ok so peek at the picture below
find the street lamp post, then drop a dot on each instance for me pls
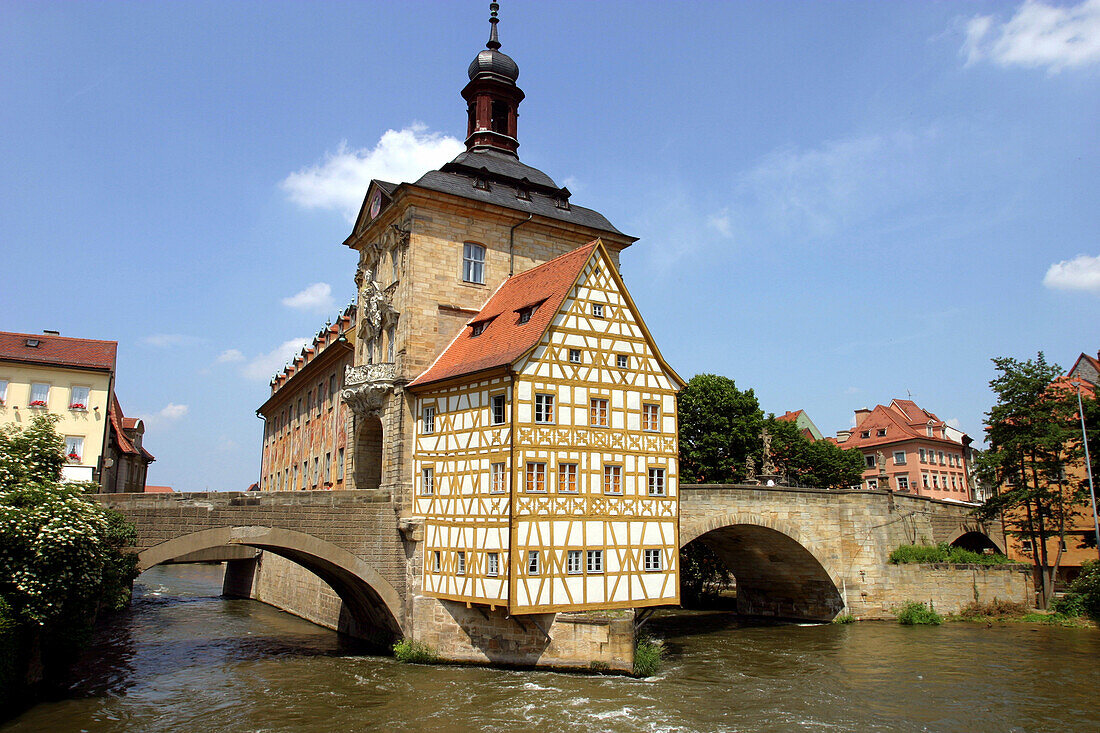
(1088, 466)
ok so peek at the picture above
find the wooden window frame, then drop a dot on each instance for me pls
(428, 419)
(651, 418)
(573, 562)
(613, 479)
(650, 554)
(567, 478)
(657, 472)
(492, 564)
(495, 473)
(543, 412)
(593, 562)
(534, 562)
(427, 481)
(599, 412)
(503, 409)
(535, 473)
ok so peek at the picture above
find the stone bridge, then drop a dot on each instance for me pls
(812, 553)
(795, 553)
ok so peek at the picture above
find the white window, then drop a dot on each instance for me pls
(597, 310)
(573, 562)
(328, 467)
(935, 482)
(574, 356)
(3, 391)
(652, 560)
(74, 448)
(473, 263)
(881, 432)
(536, 477)
(924, 479)
(899, 458)
(427, 481)
(651, 415)
(40, 395)
(869, 461)
(567, 478)
(923, 456)
(78, 400)
(872, 484)
(340, 465)
(496, 478)
(493, 566)
(622, 361)
(612, 479)
(532, 562)
(953, 481)
(865, 434)
(437, 563)
(597, 413)
(429, 419)
(544, 408)
(460, 563)
(316, 470)
(903, 483)
(656, 482)
(595, 561)
(391, 343)
(498, 409)
(941, 458)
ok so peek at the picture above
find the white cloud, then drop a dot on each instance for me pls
(316, 297)
(172, 411)
(229, 356)
(170, 340)
(955, 423)
(720, 223)
(340, 181)
(1080, 273)
(1038, 35)
(263, 366)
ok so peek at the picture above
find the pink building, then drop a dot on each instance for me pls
(920, 453)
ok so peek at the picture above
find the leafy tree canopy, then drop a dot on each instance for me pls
(804, 462)
(719, 427)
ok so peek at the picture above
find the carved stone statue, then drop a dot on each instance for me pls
(880, 459)
(768, 467)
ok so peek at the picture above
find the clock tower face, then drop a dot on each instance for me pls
(375, 203)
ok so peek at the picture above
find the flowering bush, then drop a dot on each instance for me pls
(37, 403)
(74, 456)
(78, 406)
(62, 556)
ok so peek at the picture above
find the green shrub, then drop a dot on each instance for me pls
(1069, 604)
(945, 553)
(647, 657)
(915, 613)
(414, 652)
(844, 618)
(1085, 591)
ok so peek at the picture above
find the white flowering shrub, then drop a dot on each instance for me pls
(62, 555)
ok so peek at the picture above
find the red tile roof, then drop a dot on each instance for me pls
(789, 416)
(505, 339)
(129, 423)
(903, 420)
(119, 424)
(58, 350)
(159, 489)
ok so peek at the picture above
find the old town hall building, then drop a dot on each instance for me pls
(505, 391)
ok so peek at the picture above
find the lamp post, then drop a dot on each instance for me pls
(1088, 465)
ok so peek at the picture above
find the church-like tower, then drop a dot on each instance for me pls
(492, 97)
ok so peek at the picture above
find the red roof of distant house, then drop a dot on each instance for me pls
(902, 420)
(789, 416)
(129, 422)
(58, 350)
(159, 489)
(505, 339)
(119, 424)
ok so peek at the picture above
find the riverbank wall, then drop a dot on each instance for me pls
(947, 587)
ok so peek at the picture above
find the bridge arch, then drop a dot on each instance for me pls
(973, 538)
(374, 604)
(779, 571)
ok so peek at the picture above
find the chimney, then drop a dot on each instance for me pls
(51, 333)
(843, 435)
(861, 414)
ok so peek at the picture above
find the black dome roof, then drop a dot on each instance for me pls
(494, 62)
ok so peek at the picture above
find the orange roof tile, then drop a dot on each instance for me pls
(505, 339)
(159, 489)
(789, 416)
(58, 350)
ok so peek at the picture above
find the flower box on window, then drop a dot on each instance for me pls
(74, 456)
(37, 403)
(78, 406)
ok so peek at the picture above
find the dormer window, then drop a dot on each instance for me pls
(522, 191)
(525, 314)
(865, 434)
(32, 343)
(882, 432)
(478, 328)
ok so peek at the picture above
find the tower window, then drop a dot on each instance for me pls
(499, 122)
(473, 263)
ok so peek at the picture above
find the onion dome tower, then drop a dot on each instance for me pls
(492, 97)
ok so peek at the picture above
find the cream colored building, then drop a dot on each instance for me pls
(72, 379)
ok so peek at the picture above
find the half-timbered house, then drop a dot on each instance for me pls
(545, 457)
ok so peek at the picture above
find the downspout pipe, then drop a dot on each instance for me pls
(512, 244)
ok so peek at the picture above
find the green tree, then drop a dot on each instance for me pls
(719, 427)
(702, 574)
(818, 464)
(62, 555)
(1032, 437)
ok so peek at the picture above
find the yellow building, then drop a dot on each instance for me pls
(546, 449)
(72, 379)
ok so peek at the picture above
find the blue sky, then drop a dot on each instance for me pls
(837, 203)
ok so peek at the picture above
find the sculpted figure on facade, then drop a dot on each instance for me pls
(768, 467)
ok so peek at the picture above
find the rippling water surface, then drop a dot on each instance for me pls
(186, 660)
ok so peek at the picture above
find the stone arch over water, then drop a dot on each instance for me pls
(975, 540)
(372, 602)
(778, 572)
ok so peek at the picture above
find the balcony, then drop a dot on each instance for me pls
(366, 387)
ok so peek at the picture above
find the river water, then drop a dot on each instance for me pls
(186, 660)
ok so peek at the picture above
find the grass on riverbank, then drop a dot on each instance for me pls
(915, 613)
(411, 651)
(945, 553)
(647, 656)
(998, 611)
